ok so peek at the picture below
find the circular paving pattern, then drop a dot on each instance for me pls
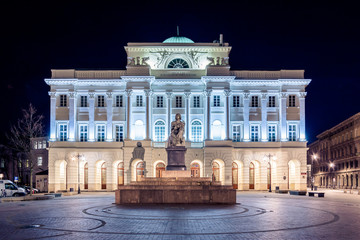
(170, 220)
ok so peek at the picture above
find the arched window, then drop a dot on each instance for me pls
(178, 63)
(196, 131)
(139, 130)
(216, 130)
(159, 131)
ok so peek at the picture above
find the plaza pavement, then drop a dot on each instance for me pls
(257, 215)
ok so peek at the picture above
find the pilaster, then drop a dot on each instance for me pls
(282, 113)
(264, 136)
(302, 96)
(91, 116)
(246, 117)
(169, 97)
(52, 116)
(109, 117)
(148, 94)
(208, 112)
(187, 114)
(128, 112)
(227, 94)
(72, 115)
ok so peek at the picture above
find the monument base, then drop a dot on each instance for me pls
(176, 158)
(175, 174)
(189, 190)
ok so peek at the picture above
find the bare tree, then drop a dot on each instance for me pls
(29, 126)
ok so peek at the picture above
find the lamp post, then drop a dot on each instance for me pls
(268, 157)
(314, 157)
(78, 156)
(331, 165)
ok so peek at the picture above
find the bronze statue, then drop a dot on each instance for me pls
(177, 132)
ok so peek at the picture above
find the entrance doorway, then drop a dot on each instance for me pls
(103, 176)
(195, 170)
(140, 168)
(268, 176)
(216, 171)
(120, 173)
(86, 176)
(252, 176)
(235, 175)
(160, 167)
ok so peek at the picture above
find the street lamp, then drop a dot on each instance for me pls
(314, 157)
(78, 156)
(332, 165)
(268, 157)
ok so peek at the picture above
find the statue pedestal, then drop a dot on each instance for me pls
(176, 158)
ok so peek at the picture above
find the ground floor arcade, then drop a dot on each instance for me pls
(103, 167)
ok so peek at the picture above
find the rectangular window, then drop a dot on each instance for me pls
(271, 101)
(83, 101)
(40, 145)
(216, 101)
(63, 100)
(101, 133)
(178, 101)
(292, 132)
(292, 100)
(44, 144)
(62, 132)
(236, 101)
(2, 163)
(119, 101)
(39, 161)
(139, 100)
(35, 145)
(254, 133)
(119, 133)
(196, 101)
(160, 101)
(101, 101)
(83, 133)
(236, 133)
(272, 133)
(254, 101)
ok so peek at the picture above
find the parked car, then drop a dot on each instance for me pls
(27, 189)
(10, 189)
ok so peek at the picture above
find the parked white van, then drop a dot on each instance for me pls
(9, 189)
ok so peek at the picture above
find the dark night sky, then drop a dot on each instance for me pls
(320, 37)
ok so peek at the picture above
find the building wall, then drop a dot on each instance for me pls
(334, 156)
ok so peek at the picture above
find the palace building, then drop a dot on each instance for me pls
(243, 128)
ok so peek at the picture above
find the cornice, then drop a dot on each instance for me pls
(218, 78)
(161, 82)
(177, 48)
(279, 82)
(138, 78)
(84, 82)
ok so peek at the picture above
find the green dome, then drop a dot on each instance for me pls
(178, 39)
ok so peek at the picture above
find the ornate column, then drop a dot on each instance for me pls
(187, 114)
(91, 116)
(128, 112)
(282, 115)
(246, 117)
(227, 94)
(302, 96)
(169, 97)
(72, 115)
(148, 93)
(264, 136)
(109, 116)
(52, 116)
(208, 111)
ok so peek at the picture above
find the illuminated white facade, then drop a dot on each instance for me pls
(233, 119)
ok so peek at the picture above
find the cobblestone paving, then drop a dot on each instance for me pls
(256, 216)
